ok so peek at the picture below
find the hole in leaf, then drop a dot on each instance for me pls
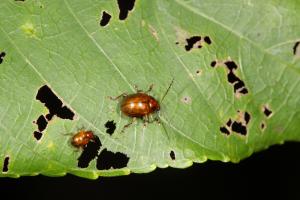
(238, 85)
(49, 116)
(267, 111)
(2, 55)
(262, 126)
(125, 6)
(213, 63)
(207, 40)
(186, 100)
(224, 130)
(238, 127)
(191, 41)
(110, 127)
(243, 91)
(231, 65)
(295, 48)
(176, 42)
(5, 164)
(172, 155)
(108, 160)
(247, 117)
(89, 152)
(232, 78)
(198, 72)
(37, 135)
(65, 113)
(229, 122)
(53, 103)
(105, 18)
(41, 123)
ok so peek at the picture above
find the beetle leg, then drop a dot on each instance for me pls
(156, 119)
(137, 89)
(117, 97)
(146, 120)
(127, 125)
(150, 88)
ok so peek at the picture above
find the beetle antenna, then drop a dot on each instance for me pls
(167, 90)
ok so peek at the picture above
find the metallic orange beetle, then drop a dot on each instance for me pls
(140, 104)
(82, 138)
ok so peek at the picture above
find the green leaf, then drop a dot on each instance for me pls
(61, 44)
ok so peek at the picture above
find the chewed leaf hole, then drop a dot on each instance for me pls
(89, 152)
(172, 155)
(105, 18)
(238, 127)
(108, 160)
(186, 99)
(296, 49)
(213, 63)
(125, 6)
(198, 72)
(110, 127)
(41, 123)
(232, 78)
(267, 111)
(5, 164)
(229, 122)
(2, 55)
(191, 42)
(224, 130)
(37, 135)
(263, 126)
(207, 39)
(247, 117)
(239, 86)
(231, 65)
(54, 104)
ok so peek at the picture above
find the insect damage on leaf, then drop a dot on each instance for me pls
(192, 42)
(5, 164)
(238, 126)
(186, 99)
(108, 160)
(54, 104)
(196, 42)
(110, 127)
(105, 18)
(2, 55)
(55, 107)
(213, 63)
(125, 6)
(207, 40)
(296, 49)
(267, 111)
(239, 86)
(90, 152)
(263, 126)
(37, 135)
(172, 155)
(198, 72)
(41, 122)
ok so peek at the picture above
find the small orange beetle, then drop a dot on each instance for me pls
(82, 138)
(140, 104)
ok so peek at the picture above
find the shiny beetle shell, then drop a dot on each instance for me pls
(82, 138)
(139, 105)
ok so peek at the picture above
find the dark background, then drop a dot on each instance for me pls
(270, 174)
